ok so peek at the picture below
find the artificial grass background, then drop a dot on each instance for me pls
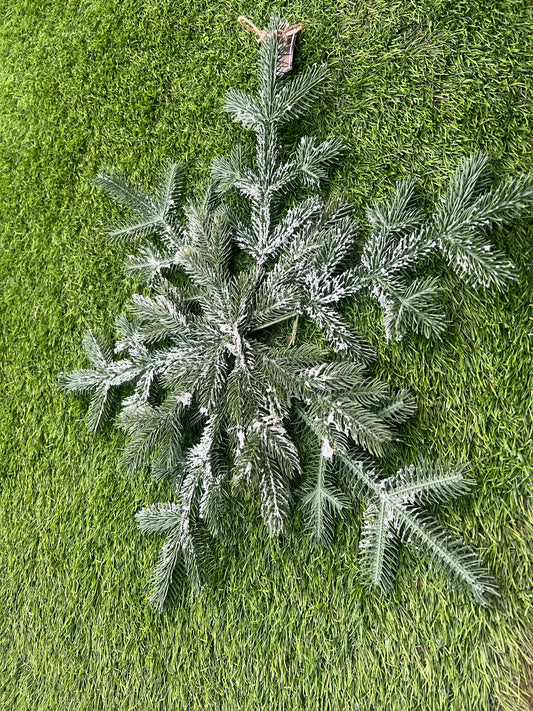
(282, 625)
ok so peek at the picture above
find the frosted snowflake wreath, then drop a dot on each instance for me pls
(218, 409)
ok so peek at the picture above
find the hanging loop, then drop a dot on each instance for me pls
(249, 25)
(286, 38)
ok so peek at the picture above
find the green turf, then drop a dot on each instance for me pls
(91, 84)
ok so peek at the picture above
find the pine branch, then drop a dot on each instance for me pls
(149, 262)
(398, 407)
(468, 210)
(158, 319)
(431, 482)
(184, 546)
(312, 159)
(170, 570)
(103, 380)
(351, 419)
(477, 262)
(156, 216)
(155, 431)
(378, 547)
(226, 172)
(505, 202)
(171, 189)
(126, 231)
(214, 503)
(320, 499)
(296, 96)
(466, 185)
(216, 409)
(393, 513)
(158, 518)
(122, 190)
(297, 219)
(449, 554)
(275, 496)
(412, 307)
(276, 444)
(401, 240)
(399, 214)
(269, 58)
(244, 109)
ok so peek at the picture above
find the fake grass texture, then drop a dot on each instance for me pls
(90, 85)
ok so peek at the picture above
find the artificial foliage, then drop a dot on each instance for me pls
(216, 398)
